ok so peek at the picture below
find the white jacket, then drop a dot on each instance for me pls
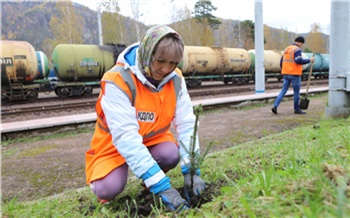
(123, 124)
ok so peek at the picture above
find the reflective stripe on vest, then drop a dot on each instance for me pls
(130, 83)
(103, 157)
(127, 79)
(291, 54)
(289, 66)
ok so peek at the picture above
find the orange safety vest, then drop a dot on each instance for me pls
(289, 66)
(103, 157)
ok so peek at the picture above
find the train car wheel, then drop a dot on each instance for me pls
(62, 92)
(193, 83)
(32, 95)
(88, 91)
(226, 81)
(237, 80)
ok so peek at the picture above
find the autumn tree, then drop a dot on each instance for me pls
(113, 30)
(315, 41)
(203, 14)
(66, 26)
(185, 25)
(271, 37)
(137, 13)
(226, 35)
(286, 38)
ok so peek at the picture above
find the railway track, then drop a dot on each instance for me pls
(84, 120)
(56, 107)
(36, 109)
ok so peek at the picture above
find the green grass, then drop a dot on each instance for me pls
(304, 172)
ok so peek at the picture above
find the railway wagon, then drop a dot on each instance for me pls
(320, 68)
(19, 71)
(43, 65)
(273, 70)
(202, 63)
(79, 67)
(271, 64)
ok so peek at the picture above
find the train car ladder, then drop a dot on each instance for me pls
(16, 90)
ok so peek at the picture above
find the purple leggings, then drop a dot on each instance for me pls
(166, 154)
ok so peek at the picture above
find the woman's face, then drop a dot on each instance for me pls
(162, 66)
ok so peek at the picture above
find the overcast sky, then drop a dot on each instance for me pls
(292, 15)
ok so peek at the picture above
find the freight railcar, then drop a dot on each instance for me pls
(79, 68)
(76, 69)
(19, 71)
(238, 65)
(202, 63)
(271, 64)
(320, 68)
(43, 65)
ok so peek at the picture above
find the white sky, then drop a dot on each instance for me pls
(292, 15)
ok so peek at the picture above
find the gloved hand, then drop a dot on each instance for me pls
(198, 184)
(172, 199)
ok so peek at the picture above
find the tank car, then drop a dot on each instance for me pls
(19, 70)
(79, 67)
(320, 68)
(271, 63)
(43, 65)
(202, 63)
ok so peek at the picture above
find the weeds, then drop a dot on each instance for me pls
(302, 172)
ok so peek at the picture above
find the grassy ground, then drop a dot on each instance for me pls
(304, 172)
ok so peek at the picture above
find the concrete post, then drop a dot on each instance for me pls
(99, 27)
(339, 64)
(259, 49)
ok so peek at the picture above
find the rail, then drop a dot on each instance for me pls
(30, 125)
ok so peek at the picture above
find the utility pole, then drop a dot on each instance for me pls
(339, 70)
(99, 27)
(259, 49)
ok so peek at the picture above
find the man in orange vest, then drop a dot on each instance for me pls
(141, 96)
(291, 64)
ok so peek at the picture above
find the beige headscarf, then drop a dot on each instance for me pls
(148, 43)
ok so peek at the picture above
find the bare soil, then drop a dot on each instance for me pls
(32, 170)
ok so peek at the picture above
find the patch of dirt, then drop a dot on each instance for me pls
(32, 170)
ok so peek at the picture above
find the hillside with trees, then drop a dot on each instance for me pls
(49, 23)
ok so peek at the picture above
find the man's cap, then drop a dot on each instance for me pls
(299, 39)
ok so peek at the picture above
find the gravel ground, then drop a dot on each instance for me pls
(31, 170)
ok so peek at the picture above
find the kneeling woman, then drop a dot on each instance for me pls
(141, 96)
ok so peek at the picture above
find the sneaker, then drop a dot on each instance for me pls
(274, 109)
(299, 112)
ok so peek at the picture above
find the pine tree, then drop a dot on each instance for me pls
(196, 159)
